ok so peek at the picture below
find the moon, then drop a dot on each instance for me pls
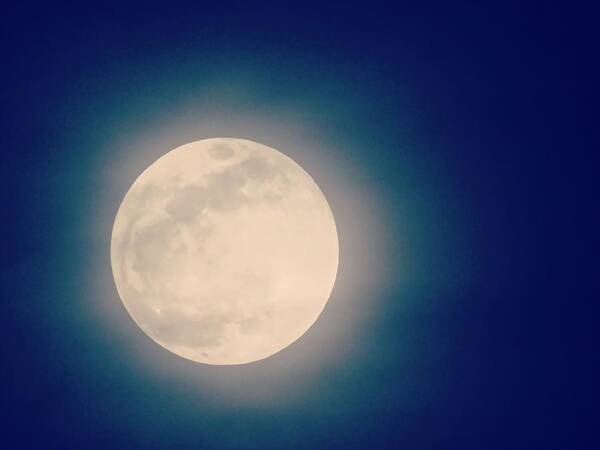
(224, 251)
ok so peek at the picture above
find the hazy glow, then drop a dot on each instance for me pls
(224, 251)
(131, 144)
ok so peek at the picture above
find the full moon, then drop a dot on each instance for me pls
(224, 251)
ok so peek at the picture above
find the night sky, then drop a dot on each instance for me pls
(453, 146)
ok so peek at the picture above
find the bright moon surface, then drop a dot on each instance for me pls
(224, 251)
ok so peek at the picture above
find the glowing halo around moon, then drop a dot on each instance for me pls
(224, 251)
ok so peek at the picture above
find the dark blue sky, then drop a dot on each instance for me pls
(469, 126)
